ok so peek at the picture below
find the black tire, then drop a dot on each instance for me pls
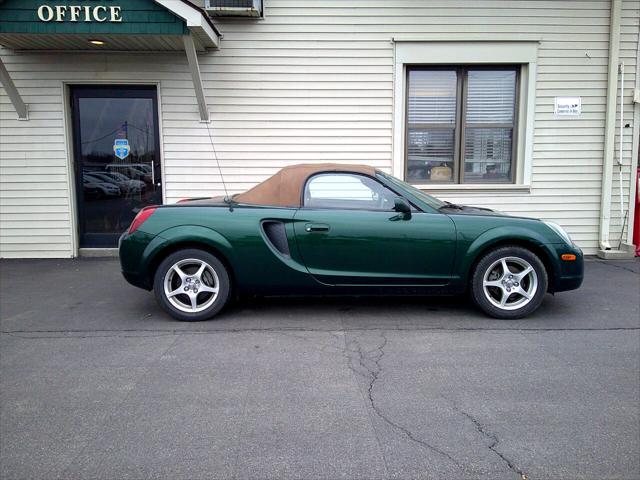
(533, 284)
(215, 275)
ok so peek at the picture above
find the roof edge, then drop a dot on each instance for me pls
(205, 15)
(196, 20)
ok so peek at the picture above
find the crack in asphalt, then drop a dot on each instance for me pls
(482, 429)
(136, 333)
(371, 362)
(370, 412)
(374, 357)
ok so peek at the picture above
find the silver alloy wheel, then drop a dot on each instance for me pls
(191, 285)
(510, 283)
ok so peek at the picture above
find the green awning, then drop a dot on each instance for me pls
(139, 25)
(102, 26)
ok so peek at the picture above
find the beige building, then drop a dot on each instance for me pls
(529, 107)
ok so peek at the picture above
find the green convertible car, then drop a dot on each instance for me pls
(343, 229)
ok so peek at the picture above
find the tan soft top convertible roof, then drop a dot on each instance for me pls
(284, 189)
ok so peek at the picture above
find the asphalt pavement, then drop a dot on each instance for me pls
(97, 382)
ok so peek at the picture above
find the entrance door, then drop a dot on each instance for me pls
(117, 158)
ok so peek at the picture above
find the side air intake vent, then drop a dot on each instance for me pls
(277, 236)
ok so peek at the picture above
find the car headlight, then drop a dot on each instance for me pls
(560, 231)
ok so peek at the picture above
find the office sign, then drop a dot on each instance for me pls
(79, 13)
(97, 18)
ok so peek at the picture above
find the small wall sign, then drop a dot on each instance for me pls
(79, 13)
(568, 106)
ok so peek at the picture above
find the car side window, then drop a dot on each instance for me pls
(347, 191)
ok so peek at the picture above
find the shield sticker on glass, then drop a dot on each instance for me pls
(121, 148)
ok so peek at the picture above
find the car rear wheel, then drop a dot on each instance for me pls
(191, 285)
(509, 282)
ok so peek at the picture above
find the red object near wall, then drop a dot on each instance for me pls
(636, 222)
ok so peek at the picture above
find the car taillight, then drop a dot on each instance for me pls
(141, 217)
(183, 200)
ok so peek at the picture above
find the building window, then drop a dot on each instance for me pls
(461, 124)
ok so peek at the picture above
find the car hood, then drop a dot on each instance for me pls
(471, 210)
(478, 211)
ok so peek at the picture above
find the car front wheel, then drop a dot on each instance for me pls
(509, 282)
(191, 285)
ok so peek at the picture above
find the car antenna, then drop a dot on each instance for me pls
(215, 156)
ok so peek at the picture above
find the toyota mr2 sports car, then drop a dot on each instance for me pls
(343, 229)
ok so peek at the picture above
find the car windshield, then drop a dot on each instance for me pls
(426, 198)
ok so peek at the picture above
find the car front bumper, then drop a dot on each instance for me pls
(570, 274)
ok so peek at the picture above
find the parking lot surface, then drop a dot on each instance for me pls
(97, 382)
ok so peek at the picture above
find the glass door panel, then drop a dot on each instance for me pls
(117, 158)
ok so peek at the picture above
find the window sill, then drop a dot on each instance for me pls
(471, 188)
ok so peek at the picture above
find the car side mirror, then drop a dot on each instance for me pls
(401, 206)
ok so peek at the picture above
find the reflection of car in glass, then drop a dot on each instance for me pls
(126, 184)
(135, 186)
(343, 229)
(142, 166)
(95, 188)
(146, 171)
(130, 171)
(143, 169)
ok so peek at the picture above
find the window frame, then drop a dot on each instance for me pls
(460, 124)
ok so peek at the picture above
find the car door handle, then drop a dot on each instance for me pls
(316, 227)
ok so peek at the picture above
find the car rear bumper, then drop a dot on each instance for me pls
(135, 280)
(131, 249)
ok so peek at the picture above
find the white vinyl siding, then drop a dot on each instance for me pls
(35, 216)
(314, 81)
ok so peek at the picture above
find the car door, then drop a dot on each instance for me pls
(348, 233)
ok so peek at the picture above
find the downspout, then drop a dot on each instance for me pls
(621, 138)
(635, 146)
(610, 125)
